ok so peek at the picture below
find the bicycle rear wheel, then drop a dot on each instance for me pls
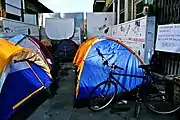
(163, 92)
(102, 95)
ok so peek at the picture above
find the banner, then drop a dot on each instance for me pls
(137, 34)
(168, 38)
(99, 23)
(134, 30)
(42, 17)
(59, 28)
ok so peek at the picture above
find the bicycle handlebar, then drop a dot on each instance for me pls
(15, 61)
(113, 66)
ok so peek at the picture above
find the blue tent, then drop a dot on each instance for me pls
(66, 49)
(21, 80)
(92, 72)
(21, 84)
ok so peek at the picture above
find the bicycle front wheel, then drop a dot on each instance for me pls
(102, 95)
(162, 97)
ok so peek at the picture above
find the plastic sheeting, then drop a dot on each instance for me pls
(93, 72)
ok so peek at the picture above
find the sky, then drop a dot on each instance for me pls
(64, 6)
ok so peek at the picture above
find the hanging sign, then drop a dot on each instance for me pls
(168, 38)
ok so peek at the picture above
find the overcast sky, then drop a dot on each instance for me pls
(65, 6)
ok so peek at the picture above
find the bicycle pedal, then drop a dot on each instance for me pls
(122, 107)
(122, 102)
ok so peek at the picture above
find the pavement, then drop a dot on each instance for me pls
(61, 106)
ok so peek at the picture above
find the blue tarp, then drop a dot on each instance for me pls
(20, 83)
(94, 72)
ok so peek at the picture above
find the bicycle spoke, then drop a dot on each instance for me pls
(100, 96)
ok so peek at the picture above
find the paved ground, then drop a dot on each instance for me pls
(60, 107)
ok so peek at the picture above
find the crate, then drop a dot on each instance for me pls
(177, 92)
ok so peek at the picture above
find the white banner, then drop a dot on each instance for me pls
(59, 28)
(99, 24)
(134, 30)
(168, 38)
(42, 17)
(133, 33)
(137, 34)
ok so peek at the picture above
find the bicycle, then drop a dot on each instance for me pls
(150, 82)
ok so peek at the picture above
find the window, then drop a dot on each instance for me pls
(138, 5)
(13, 17)
(13, 6)
(122, 17)
(122, 4)
(122, 11)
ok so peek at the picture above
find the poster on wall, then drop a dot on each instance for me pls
(99, 24)
(168, 38)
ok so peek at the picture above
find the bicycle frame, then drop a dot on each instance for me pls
(111, 76)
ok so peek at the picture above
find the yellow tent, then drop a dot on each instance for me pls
(10, 52)
(21, 80)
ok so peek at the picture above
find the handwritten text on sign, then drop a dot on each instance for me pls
(168, 38)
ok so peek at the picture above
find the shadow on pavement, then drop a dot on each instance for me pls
(30, 106)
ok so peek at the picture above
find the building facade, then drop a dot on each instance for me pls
(125, 9)
(21, 10)
(166, 12)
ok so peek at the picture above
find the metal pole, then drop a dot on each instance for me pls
(118, 11)
(22, 11)
(114, 11)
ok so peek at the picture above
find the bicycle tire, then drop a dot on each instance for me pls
(137, 108)
(91, 107)
(150, 107)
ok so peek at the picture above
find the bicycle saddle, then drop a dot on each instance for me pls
(145, 67)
